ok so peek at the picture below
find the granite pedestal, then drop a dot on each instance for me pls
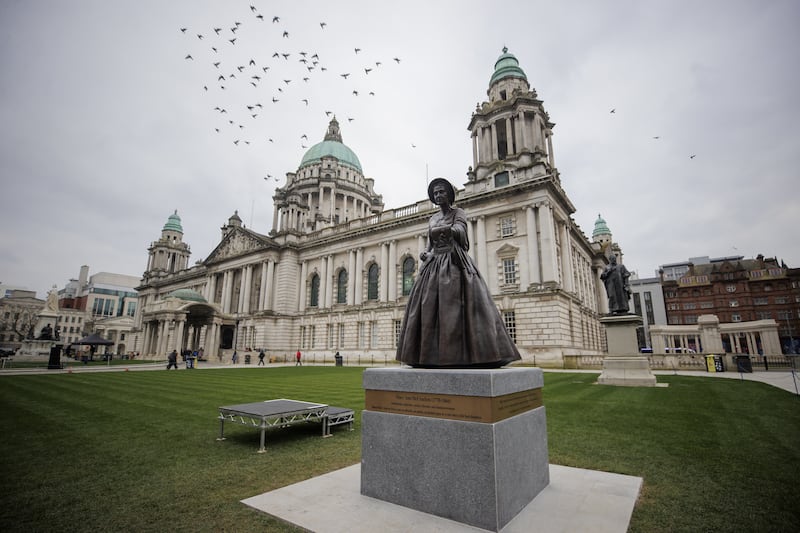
(468, 445)
(624, 365)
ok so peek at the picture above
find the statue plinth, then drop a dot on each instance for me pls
(469, 445)
(624, 365)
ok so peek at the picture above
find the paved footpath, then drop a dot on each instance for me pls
(785, 379)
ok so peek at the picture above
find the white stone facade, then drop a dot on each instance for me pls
(334, 272)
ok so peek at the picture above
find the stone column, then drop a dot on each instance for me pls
(535, 274)
(523, 131)
(262, 287)
(351, 277)
(551, 156)
(323, 282)
(177, 342)
(471, 238)
(566, 259)
(548, 242)
(146, 338)
(392, 271)
(510, 148)
(275, 210)
(268, 292)
(303, 276)
(483, 256)
(384, 272)
(162, 339)
(474, 149)
(331, 274)
(248, 288)
(358, 278)
(493, 134)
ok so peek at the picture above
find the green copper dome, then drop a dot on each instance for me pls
(188, 295)
(507, 66)
(173, 223)
(332, 146)
(600, 227)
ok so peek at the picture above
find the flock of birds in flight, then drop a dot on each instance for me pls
(285, 75)
(655, 137)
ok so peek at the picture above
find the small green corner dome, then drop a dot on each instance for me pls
(173, 223)
(188, 295)
(331, 149)
(331, 146)
(600, 227)
(507, 66)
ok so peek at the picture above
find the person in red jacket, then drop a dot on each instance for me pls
(297, 356)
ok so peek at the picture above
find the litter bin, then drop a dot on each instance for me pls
(710, 366)
(247, 358)
(743, 364)
(338, 359)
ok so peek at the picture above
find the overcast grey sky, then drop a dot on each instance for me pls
(107, 127)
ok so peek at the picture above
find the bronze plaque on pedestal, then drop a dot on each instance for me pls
(453, 407)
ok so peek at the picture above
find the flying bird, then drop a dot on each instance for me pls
(232, 41)
(274, 100)
(323, 24)
(286, 81)
(304, 100)
(350, 119)
(656, 137)
(692, 156)
(344, 75)
(260, 17)
(378, 63)
(355, 92)
(367, 70)
(199, 36)
(252, 8)
(613, 110)
(215, 50)
(357, 50)
(189, 57)
(286, 34)
(276, 54)
(183, 30)
(217, 30)
(252, 62)
(304, 136)
(328, 113)
(276, 19)
(397, 59)
(286, 56)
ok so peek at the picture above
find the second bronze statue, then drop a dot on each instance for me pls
(451, 320)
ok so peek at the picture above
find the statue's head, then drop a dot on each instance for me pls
(442, 183)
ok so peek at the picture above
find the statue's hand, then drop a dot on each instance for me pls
(424, 255)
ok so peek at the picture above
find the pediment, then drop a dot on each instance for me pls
(237, 242)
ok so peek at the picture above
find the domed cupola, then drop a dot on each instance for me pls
(331, 147)
(601, 233)
(507, 78)
(173, 223)
(329, 188)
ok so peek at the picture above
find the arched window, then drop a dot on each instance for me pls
(408, 275)
(341, 289)
(372, 282)
(314, 291)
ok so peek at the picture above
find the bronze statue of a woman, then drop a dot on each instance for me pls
(451, 320)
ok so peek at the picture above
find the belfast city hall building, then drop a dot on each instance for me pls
(334, 273)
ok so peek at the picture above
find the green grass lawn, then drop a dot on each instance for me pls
(137, 451)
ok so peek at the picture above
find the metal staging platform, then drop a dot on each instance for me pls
(283, 413)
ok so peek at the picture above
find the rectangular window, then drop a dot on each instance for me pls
(690, 319)
(362, 335)
(637, 303)
(733, 303)
(329, 334)
(736, 317)
(763, 315)
(706, 305)
(398, 324)
(373, 335)
(509, 271)
(510, 322)
(690, 305)
(501, 178)
(303, 337)
(312, 335)
(341, 335)
(507, 227)
(648, 307)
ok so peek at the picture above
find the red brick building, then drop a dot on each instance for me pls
(735, 290)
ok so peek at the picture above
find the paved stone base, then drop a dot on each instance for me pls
(575, 500)
(627, 371)
(478, 473)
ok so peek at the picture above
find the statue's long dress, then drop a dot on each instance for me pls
(451, 319)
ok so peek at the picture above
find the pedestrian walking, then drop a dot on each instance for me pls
(298, 355)
(261, 358)
(235, 357)
(172, 360)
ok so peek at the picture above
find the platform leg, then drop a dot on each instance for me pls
(263, 448)
(221, 428)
